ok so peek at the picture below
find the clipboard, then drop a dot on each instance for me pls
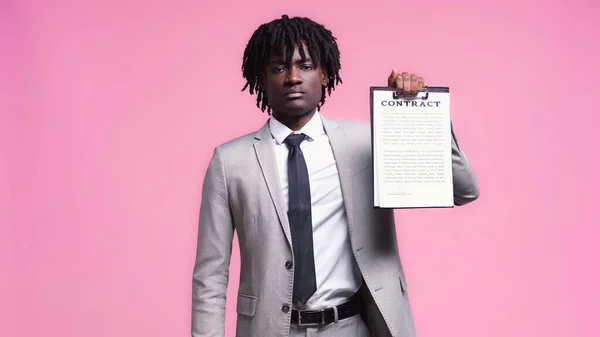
(411, 148)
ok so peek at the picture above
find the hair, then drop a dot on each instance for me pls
(287, 33)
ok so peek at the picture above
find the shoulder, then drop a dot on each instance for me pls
(354, 125)
(357, 132)
(238, 143)
(357, 137)
(235, 153)
(236, 149)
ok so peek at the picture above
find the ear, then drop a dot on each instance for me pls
(324, 78)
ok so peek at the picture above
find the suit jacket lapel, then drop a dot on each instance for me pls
(341, 152)
(265, 154)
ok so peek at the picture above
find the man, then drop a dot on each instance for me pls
(317, 259)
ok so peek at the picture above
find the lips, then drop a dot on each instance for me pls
(294, 93)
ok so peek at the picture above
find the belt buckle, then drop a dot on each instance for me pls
(311, 324)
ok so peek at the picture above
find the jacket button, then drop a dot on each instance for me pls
(285, 308)
(289, 265)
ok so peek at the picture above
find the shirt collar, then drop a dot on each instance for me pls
(312, 129)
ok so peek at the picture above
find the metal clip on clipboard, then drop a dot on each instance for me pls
(415, 96)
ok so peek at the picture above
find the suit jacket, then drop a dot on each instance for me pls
(241, 192)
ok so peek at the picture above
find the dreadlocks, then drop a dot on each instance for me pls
(272, 37)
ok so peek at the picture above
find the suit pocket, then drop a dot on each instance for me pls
(246, 305)
(402, 279)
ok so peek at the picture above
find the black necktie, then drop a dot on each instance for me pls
(299, 214)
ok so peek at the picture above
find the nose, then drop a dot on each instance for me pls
(293, 77)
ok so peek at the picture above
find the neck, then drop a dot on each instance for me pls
(295, 123)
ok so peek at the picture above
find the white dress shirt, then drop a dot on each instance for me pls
(338, 276)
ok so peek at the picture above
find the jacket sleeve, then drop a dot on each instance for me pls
(465, 185)
(213, 253)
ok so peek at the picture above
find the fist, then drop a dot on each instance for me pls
(405, 83)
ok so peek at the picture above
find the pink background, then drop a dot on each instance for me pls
(111, 109)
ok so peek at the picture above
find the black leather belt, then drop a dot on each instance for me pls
(326, 316)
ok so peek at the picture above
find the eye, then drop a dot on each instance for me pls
(306, 67)
(277, 69)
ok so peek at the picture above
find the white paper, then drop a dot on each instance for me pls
(412, 150)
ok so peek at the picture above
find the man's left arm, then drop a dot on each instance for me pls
(463, 178)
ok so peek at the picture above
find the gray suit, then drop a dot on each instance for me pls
(241, 192)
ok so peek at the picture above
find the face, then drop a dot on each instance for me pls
(294, 87)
